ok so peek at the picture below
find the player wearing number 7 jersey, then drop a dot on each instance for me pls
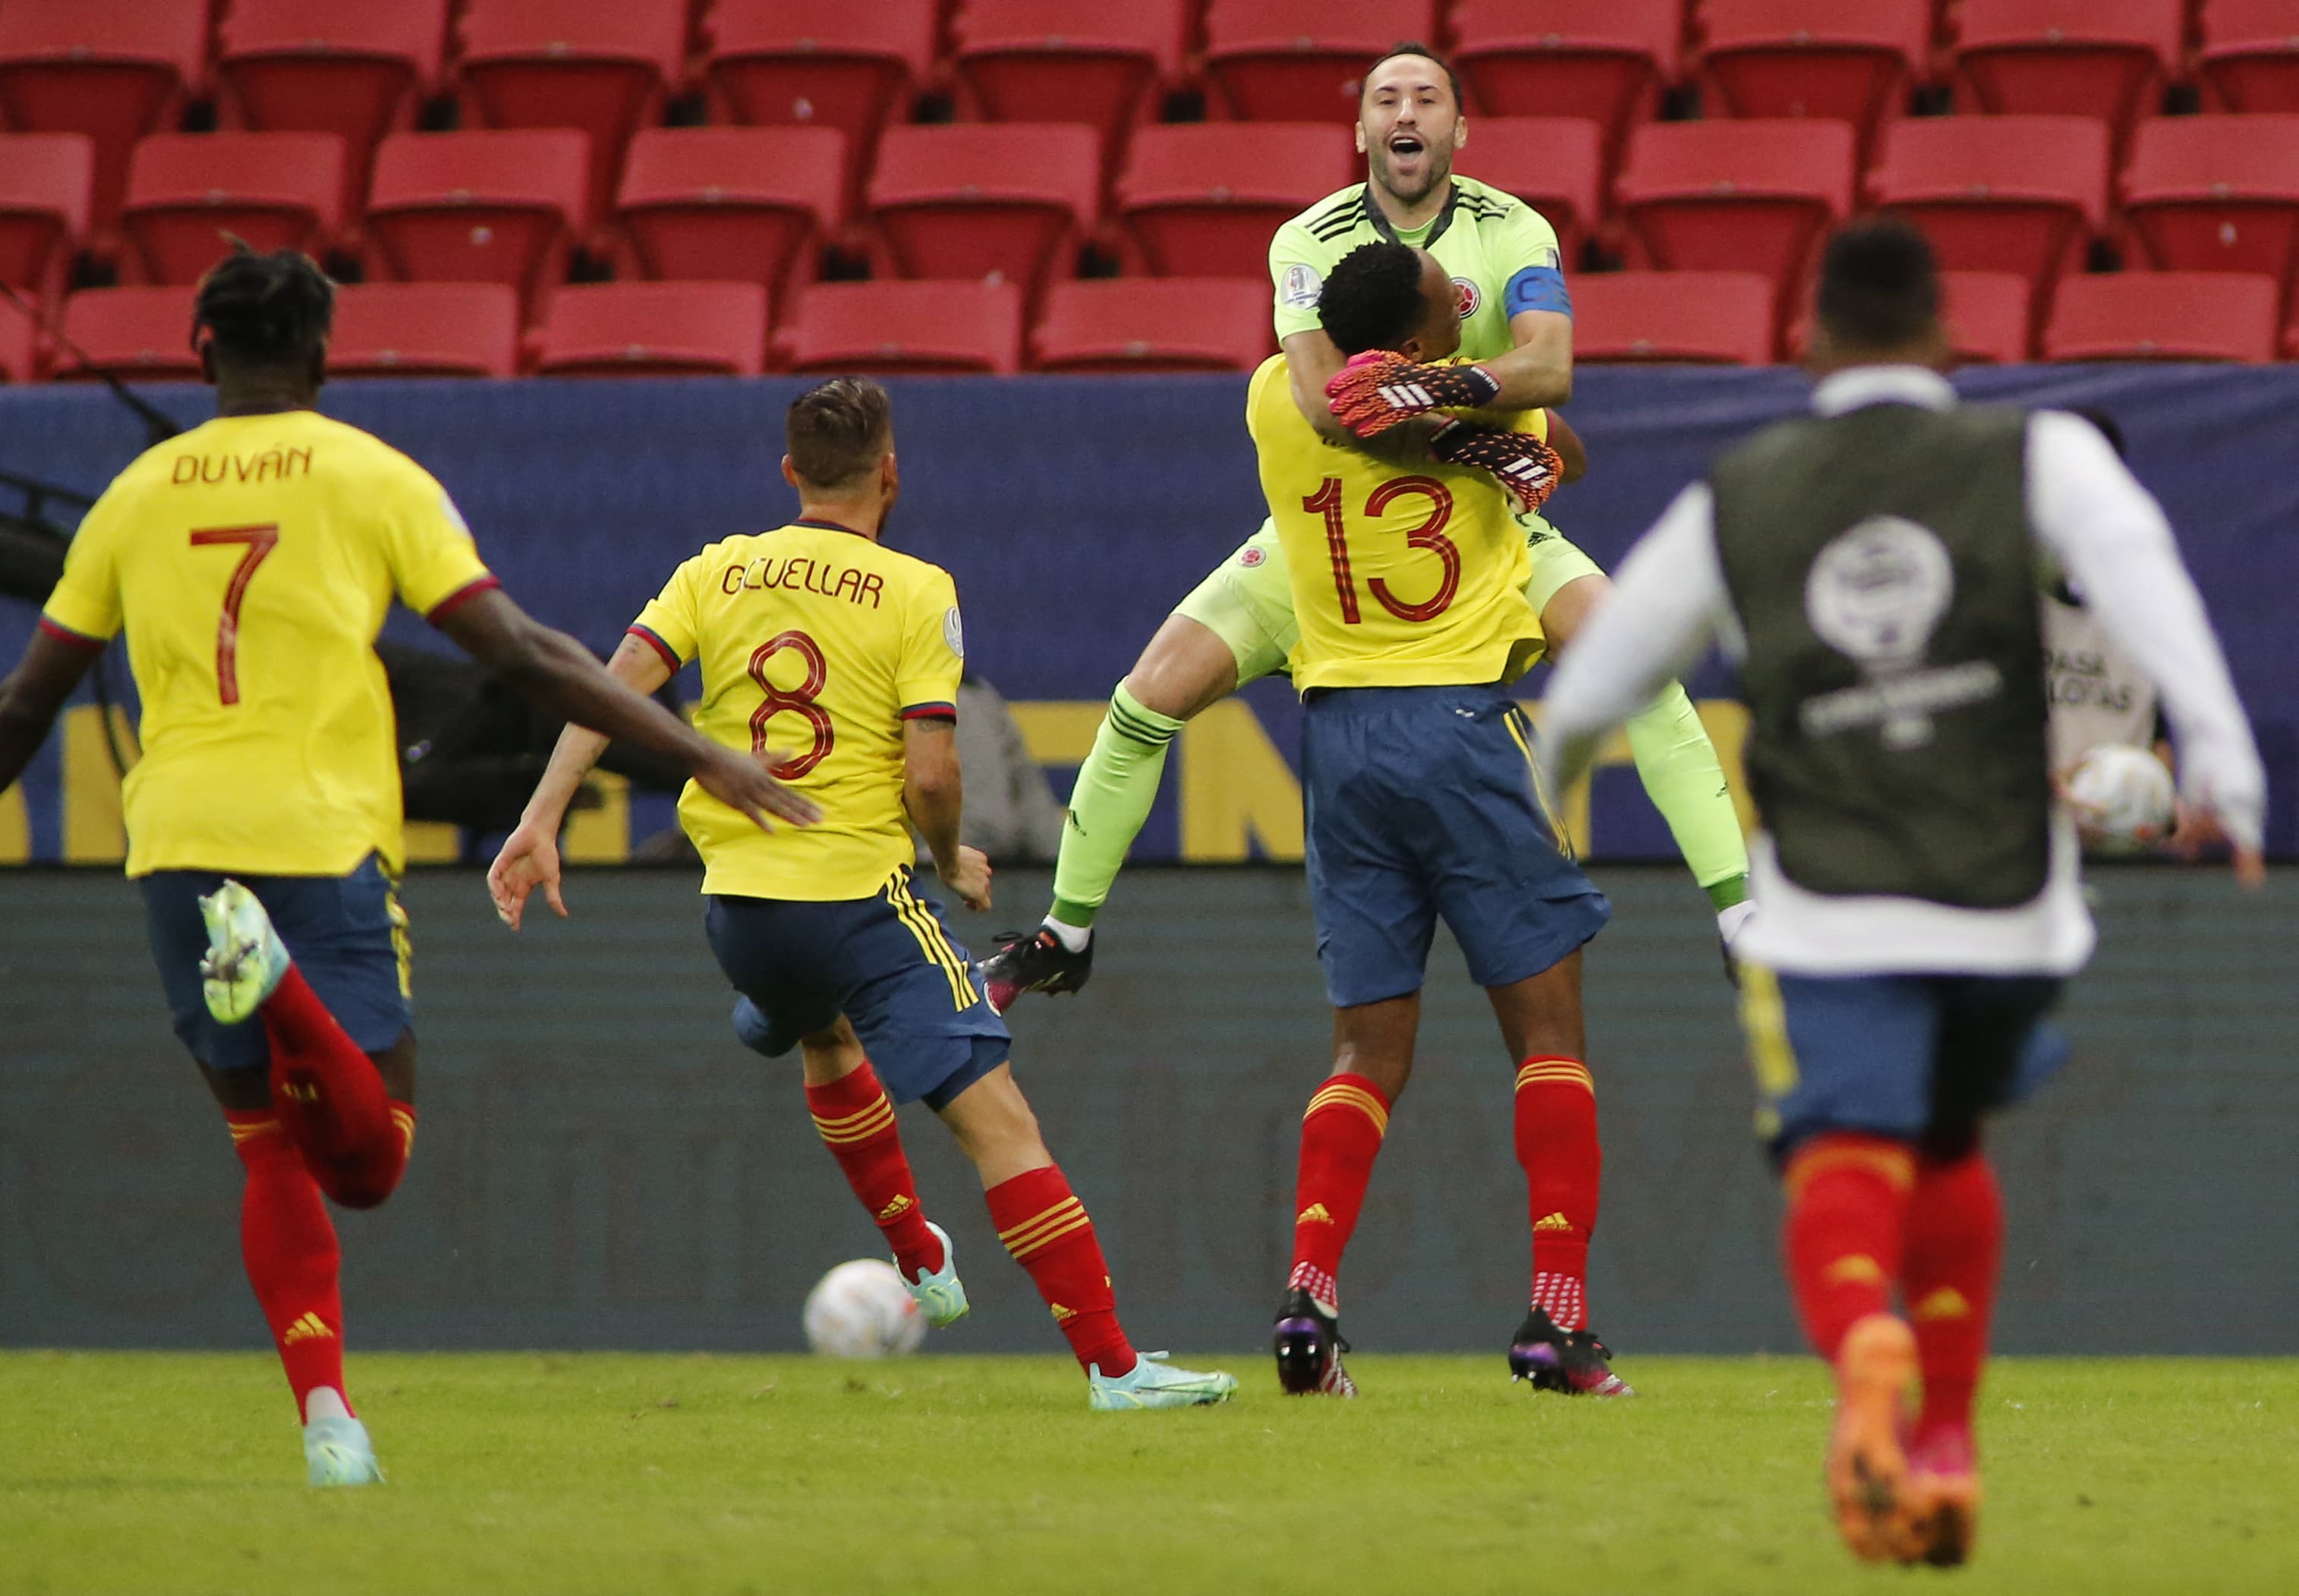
(1409, 584)
(843, 656)
(251, 562)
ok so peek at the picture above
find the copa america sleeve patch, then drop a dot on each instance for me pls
(1298, 286)
(953, 631)
(1538, 288)
(455, 516)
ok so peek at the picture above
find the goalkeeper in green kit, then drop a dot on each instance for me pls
(1238, 625)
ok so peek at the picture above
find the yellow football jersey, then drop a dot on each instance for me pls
(251, 561)
(1402, 577)
(817, 643)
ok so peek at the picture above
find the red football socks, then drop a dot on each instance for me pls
(1955, 1252)
(1047, 1230)
(289, 1246)
(1564, 1171)
(1847, 1212)
(330, 1099)
(1340, 1138)
(856, 1120)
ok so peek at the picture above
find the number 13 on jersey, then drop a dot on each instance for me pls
(1429, 535)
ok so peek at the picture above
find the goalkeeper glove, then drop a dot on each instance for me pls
(1525, 465)
(1379, 388)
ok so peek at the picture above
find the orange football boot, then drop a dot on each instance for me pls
(1868, 1475)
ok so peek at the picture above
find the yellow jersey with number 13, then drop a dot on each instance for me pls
(251, 561)
(817, 644)
(1403, 576)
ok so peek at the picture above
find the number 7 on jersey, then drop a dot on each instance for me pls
(259, 543)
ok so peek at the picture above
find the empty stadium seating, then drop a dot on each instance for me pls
(353, 68)
(1852, 63)
(114, 72)
(141, 332)
(654, 329)
(980, 198)
(1989, 315)
(2217, 193)
(2099, 58)
(920, 328)
(19, 346)
(187, 190)
(1051, 61)
(601, 66)
(1203, 201)
(1999, 193)
(1602, 59)
(732, 204)
(2163, 315)
(45, 179)
(486, 207)
(425, 329)
(1555, 164)
(1714, 318)
(2250, 56)
(1156, 324)
(1302, 60)
(1755, 195)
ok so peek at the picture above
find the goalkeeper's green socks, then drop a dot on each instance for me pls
(1115, 788)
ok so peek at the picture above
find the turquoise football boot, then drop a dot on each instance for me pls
(1154, 1383)
(940, 1296)
(245, 959)
(336, 1452)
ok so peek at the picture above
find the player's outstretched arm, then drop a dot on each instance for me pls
(933, 792)
(32, 696)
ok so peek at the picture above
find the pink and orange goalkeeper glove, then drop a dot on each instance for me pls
(1522, 464)
(1379, 388)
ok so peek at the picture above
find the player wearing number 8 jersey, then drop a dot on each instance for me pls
(1416, 770)
(839, 659)
(250, 562)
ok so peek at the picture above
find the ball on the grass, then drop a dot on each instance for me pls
(862, 1310)
(2125, 795)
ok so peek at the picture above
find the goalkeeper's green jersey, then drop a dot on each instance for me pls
(1500, 252)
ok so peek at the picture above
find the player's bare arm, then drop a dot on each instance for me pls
(932, 792)
(1572, 453)
(33, 695)
(560, 673)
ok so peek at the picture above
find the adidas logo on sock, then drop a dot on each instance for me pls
(310, 1327)
(1946, 1303)
(1552, 1222)
(1314, 1214)
(1855, 1266)
(1062, 1315)
(900, 1205)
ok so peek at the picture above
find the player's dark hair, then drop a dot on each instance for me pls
(1414, 46)
(838, 431)
(265, 311)
(1878, 285)
(2105, 424)
(1372, 298)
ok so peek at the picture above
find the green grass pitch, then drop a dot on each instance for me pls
(179, 1473)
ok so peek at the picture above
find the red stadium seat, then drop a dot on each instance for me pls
(732, 204)
(44, 207)
(601, 66)
(2163, 316)
(1602, 59)
(2099, 58)
(1714, 318)
(1156, 324)
(2250, 58)
(894, 329)
(144, 333)
(1754, 196)
(491, 207)
(854, 68)
(1553, 163)
(1303, 61)
(19, 346)
(654, 329)
(1851, 63)
(2217, 193)
(187, 190)
(980, 198)
(425, 329)
(1047, 61)
(113, 71)
(352, 68)
(1989, 315)
(1202, 201)
(1999, 192)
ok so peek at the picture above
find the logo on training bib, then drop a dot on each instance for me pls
(953, 631)
(1300, 287)
(1876, 595)
(1466, 297)
(1249, 558)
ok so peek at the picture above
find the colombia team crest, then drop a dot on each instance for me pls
(1467, 297)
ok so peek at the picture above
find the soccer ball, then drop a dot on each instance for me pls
(2125, 796)
(862, 1310)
